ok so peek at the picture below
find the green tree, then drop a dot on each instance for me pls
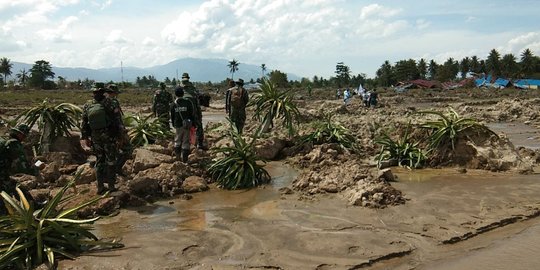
(385, 75)
(343, 74)
(448, 71)
(474, 65)
(527, 63)
(465, 67)
(40, 72)
(22, 76)
(5, 67)
(233, 67)
(279, 79)
(509, 66)
(422, 68)
(493, 63)
(406, 70)
(263, 70)
(432, 69)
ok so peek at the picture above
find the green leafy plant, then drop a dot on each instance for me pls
(271, 103)
(240, 166)
(30, 237)
(143, 130)
(53, 120)
(329, 131)
(448, 128)
(405, 152)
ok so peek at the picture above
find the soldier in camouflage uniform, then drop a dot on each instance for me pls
(125, 148)
(182, 116)
(192, 93)
(236, 101)
(161, 105)
(13, 160)
(100, 129)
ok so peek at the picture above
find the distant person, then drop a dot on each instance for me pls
(230, 86)
(191, 92)
(161, 105)
(309, 90)
(365, 98)
(100, 128)
(373, 99)
(346, 96)
(338, 94)
(125, 148)
(182, 118)
(237, 100)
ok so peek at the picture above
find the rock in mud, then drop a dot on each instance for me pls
(194, 184)
(146, 159)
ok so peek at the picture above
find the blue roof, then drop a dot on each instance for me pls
(502, 82)
(525, 82)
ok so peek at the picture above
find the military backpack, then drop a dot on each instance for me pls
(236, 97)
(97, 116)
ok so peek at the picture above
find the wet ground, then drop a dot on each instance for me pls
(450, 217)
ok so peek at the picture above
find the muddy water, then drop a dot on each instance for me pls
(519, 134)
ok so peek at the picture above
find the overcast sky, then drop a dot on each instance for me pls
(306, 38)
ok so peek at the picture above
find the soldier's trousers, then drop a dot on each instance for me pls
(238, 117)
(104, 148)
(125, 151)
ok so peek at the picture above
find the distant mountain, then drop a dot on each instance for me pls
(200, 70)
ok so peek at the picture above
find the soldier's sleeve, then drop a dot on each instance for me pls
(173, 114)
(20, 163)
(245, 96)
(85, 126)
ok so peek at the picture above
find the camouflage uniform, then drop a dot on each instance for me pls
(103, 141)
(193, 94)
(237, 113)
(13, 160)
(182, 116)
(125, 148)
(161, 105)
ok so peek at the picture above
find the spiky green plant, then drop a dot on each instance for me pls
(329, 131)
(403, 150)
(143, 130)
(30, 237)
(448, 128)
(272, 103)
(240, 166)
(53, 120)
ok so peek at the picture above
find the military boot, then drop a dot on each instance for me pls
(177, 152)
(100, 187)
(185, 155)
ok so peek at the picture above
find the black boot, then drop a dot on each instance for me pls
(185, 155)
(177, 152)
(100, 187)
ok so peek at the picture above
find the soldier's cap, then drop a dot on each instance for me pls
(22, 129)
(179, 91)
(240, 82)
(185, 76)
(98, 86)
(112, 88)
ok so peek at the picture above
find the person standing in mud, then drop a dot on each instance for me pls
(231, 86)
(161, 105)
(125, 148)
(100, 129)
(13, 160)
(192, 93)
(236, 101)
(182, 117)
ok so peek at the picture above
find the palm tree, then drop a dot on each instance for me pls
(233, 67)
(527, 62)
(509, 66)
(5, 67)
(263, 69)
(493, 63)
(22, 76)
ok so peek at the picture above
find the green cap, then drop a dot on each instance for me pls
(112, 88)
(185, 76)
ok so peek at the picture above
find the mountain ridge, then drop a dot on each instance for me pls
(199, 69)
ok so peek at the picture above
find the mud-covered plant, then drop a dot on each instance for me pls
(327, 130)
(403, 150)
(53, 120)
(239, 167)
(449, 127)
(30, 237)
(143, 130)
(271, 103)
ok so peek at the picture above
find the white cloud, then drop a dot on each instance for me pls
(148, 41)
(60, 33)
(422, 24)
(377, 11)
(102, 4)
(8, 43)
(116, 36)
(518, 44)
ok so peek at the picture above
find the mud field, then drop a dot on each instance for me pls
(328, 207)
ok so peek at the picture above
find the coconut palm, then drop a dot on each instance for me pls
(30, 237)
(5, 67)
(240, 167)
(53, 120)
(233, 67)
(22, 76)
(271, 103)
(263, 70)
(527, 62)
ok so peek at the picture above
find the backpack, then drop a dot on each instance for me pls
(236, 97)
(97, 116)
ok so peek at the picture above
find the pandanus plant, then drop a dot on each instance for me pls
(143, 130)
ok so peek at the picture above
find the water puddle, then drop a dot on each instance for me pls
(519, 134)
